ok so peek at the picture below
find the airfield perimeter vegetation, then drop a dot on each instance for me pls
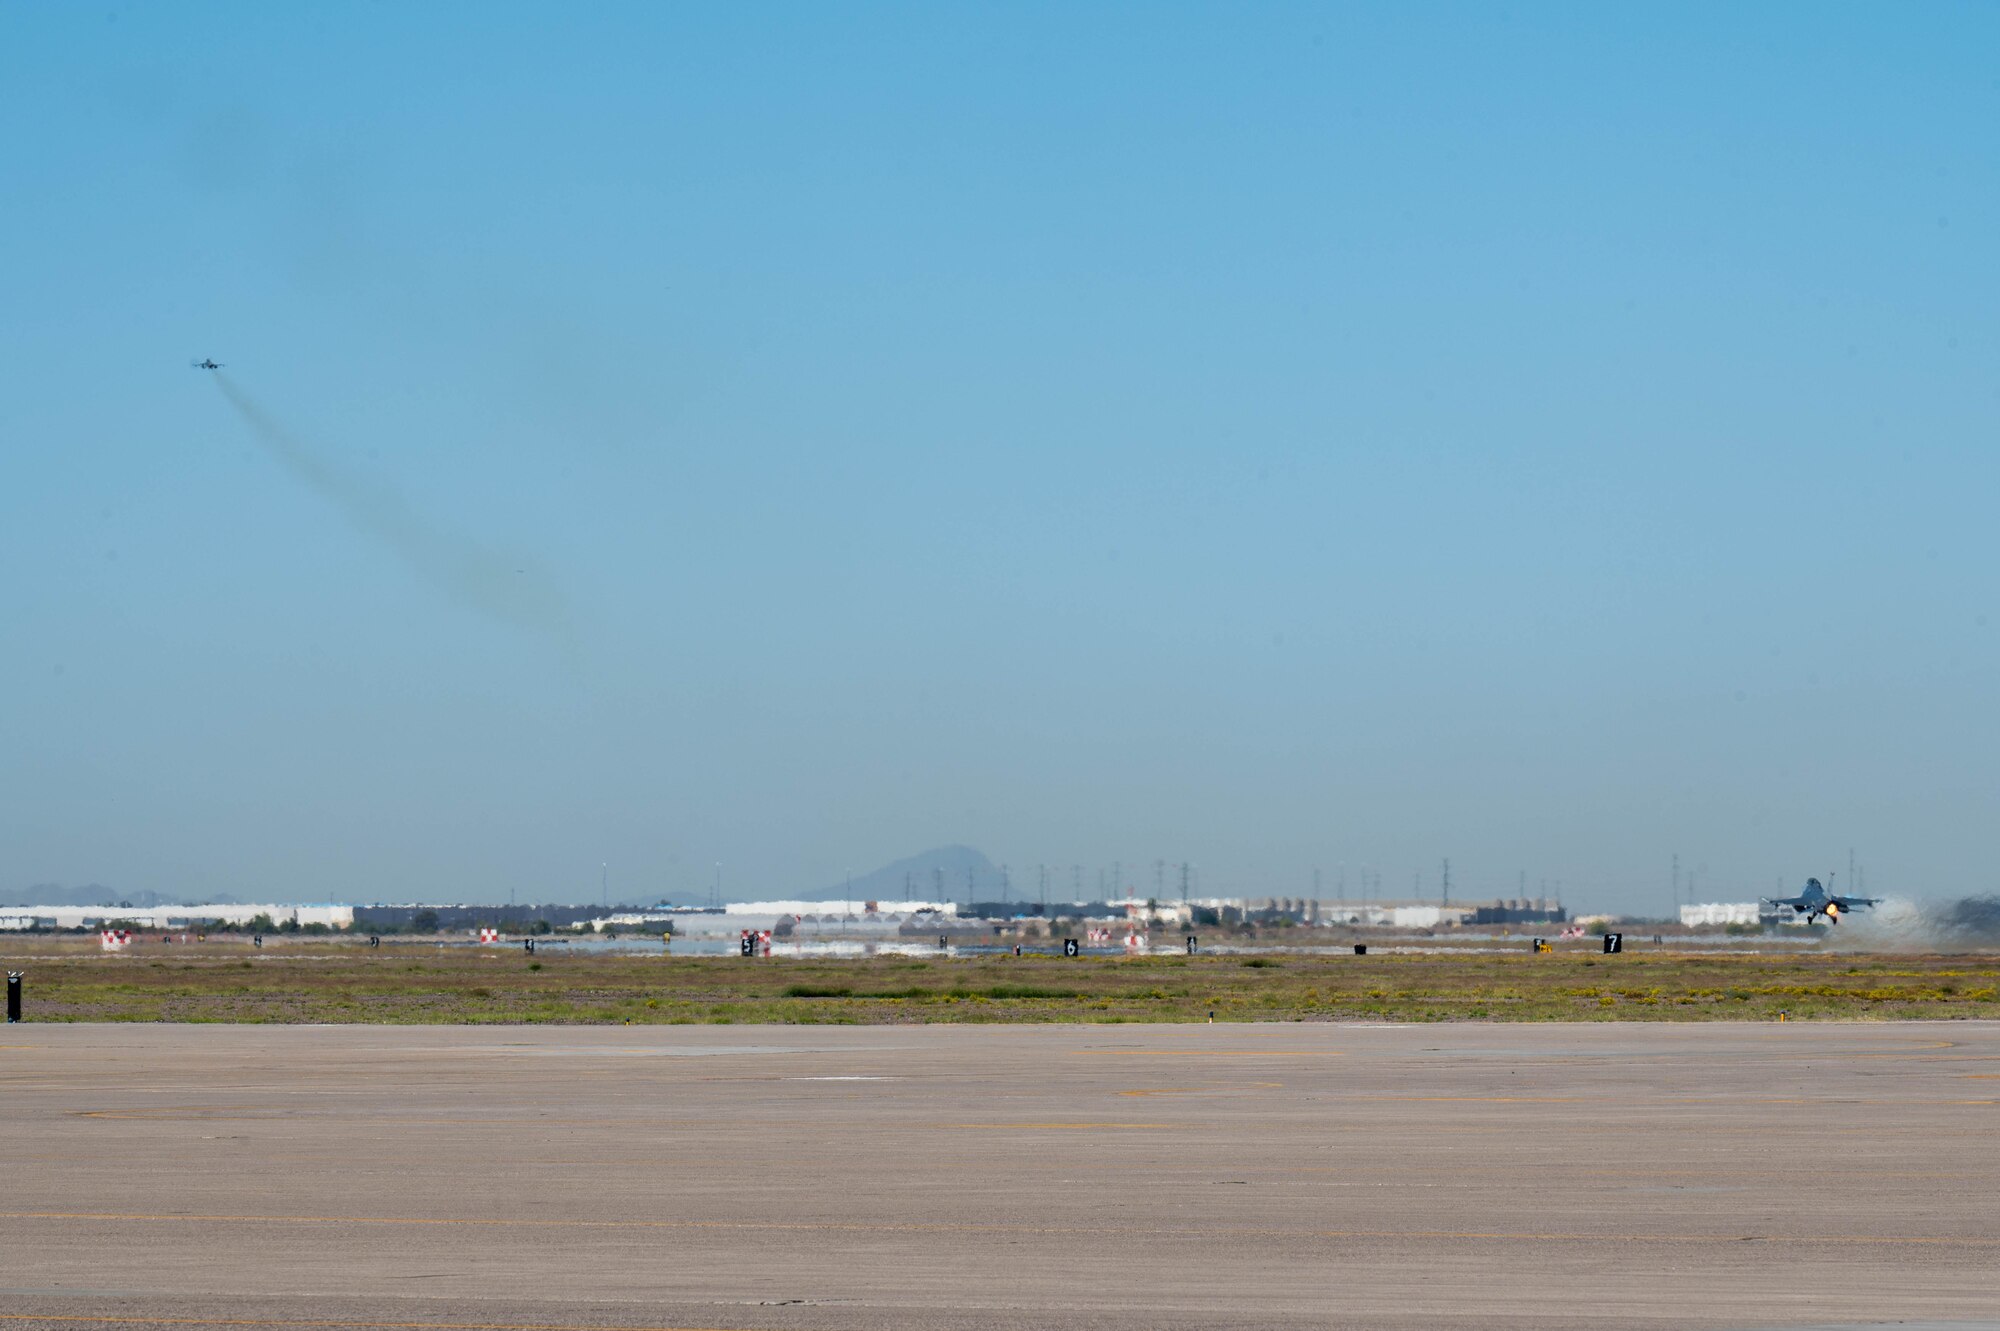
(409, 981)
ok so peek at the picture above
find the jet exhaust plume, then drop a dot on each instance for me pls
(498, 586)
(1900, 924)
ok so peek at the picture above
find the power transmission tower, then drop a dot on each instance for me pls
(1184, 882)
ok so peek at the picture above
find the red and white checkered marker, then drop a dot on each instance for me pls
(489, 935)
(113, 939)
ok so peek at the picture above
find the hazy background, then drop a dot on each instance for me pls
(1553, 437)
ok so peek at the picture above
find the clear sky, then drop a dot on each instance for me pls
(1554, 437)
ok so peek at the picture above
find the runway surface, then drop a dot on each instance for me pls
(1706, 1175)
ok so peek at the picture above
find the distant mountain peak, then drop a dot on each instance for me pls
(945, 873)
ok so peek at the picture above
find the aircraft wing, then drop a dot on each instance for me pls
(1849, 903)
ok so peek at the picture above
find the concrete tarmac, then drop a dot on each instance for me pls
(837, 1178)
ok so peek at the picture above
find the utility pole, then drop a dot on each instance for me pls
(937, 881)
(1117, 879)
(908, 895)
(1677, 883)
(1076, 881)
(604, 883)
(1042, 873)
(1315, 883)
(1006, 882)
(1447, 882)
(715, 893)
(1184, 881)
(1159, 879)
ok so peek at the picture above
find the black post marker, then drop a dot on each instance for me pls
(14, 996)
(1069, 947)
(1614, 943)
(1191, 938)
(1361, 949)
(749, 945)
(528, 943)
(257, 940)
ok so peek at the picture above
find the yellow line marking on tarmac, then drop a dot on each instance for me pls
(945, 1227)
(292, 1321)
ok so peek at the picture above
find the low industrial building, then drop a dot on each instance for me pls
(20, 918)
(1711, 913)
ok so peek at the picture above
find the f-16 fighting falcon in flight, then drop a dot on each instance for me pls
(1816, 901)
(207, 364)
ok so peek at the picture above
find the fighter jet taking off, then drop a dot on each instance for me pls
(1816, 901)
(203, 365)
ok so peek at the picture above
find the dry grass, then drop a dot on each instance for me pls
(340, 981)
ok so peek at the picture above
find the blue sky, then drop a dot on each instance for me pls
(1552, 437)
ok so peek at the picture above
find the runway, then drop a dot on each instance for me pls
(838, 1178)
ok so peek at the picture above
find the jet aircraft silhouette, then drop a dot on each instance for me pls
(1815, 901)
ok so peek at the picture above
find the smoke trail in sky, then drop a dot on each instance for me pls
(496, 585)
